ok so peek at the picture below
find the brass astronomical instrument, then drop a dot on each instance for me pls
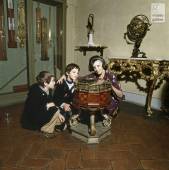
(92, 97)
(89, 94)
(136, 31)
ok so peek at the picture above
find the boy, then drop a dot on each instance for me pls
(64, 93)
(40, 113)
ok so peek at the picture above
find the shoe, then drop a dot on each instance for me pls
(48, 135)
(65, 127)
(114, 115)
(60, 128)
(105, 116)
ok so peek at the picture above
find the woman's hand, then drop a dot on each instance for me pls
(118, 92)
(100, 81)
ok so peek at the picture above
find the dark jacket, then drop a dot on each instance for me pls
(35, 113)
(63, 94)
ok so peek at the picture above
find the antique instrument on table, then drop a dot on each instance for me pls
(93, 97)
(154, 72)
(136, 31)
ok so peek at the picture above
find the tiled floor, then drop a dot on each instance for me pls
(136, 143)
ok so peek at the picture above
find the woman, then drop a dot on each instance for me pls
(100, 73)
(40, 112)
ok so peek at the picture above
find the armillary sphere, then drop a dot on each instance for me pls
(136, 31)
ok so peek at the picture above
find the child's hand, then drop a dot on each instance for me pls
(48, 105)
(61, 117)
(60, 80)
(66, 107)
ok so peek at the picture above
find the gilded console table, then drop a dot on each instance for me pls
(133, 69)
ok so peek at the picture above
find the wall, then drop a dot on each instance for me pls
(15, 63)
(111, 18)
(13, 71)
(70, 33)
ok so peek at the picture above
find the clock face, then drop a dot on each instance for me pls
(10, 4)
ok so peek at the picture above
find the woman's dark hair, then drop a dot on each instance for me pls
(71, 66)
(95, 58)
(44, 76)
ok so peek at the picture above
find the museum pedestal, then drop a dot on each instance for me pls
(81, 131)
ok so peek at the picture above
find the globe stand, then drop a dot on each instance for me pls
(136, 52)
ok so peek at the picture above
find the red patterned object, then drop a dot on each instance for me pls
(92, 95)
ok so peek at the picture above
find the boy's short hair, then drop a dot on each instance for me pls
(44, 76)
(71, 66)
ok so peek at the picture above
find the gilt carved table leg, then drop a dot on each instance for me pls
(151, 87)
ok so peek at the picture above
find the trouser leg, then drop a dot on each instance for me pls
(50, 126)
